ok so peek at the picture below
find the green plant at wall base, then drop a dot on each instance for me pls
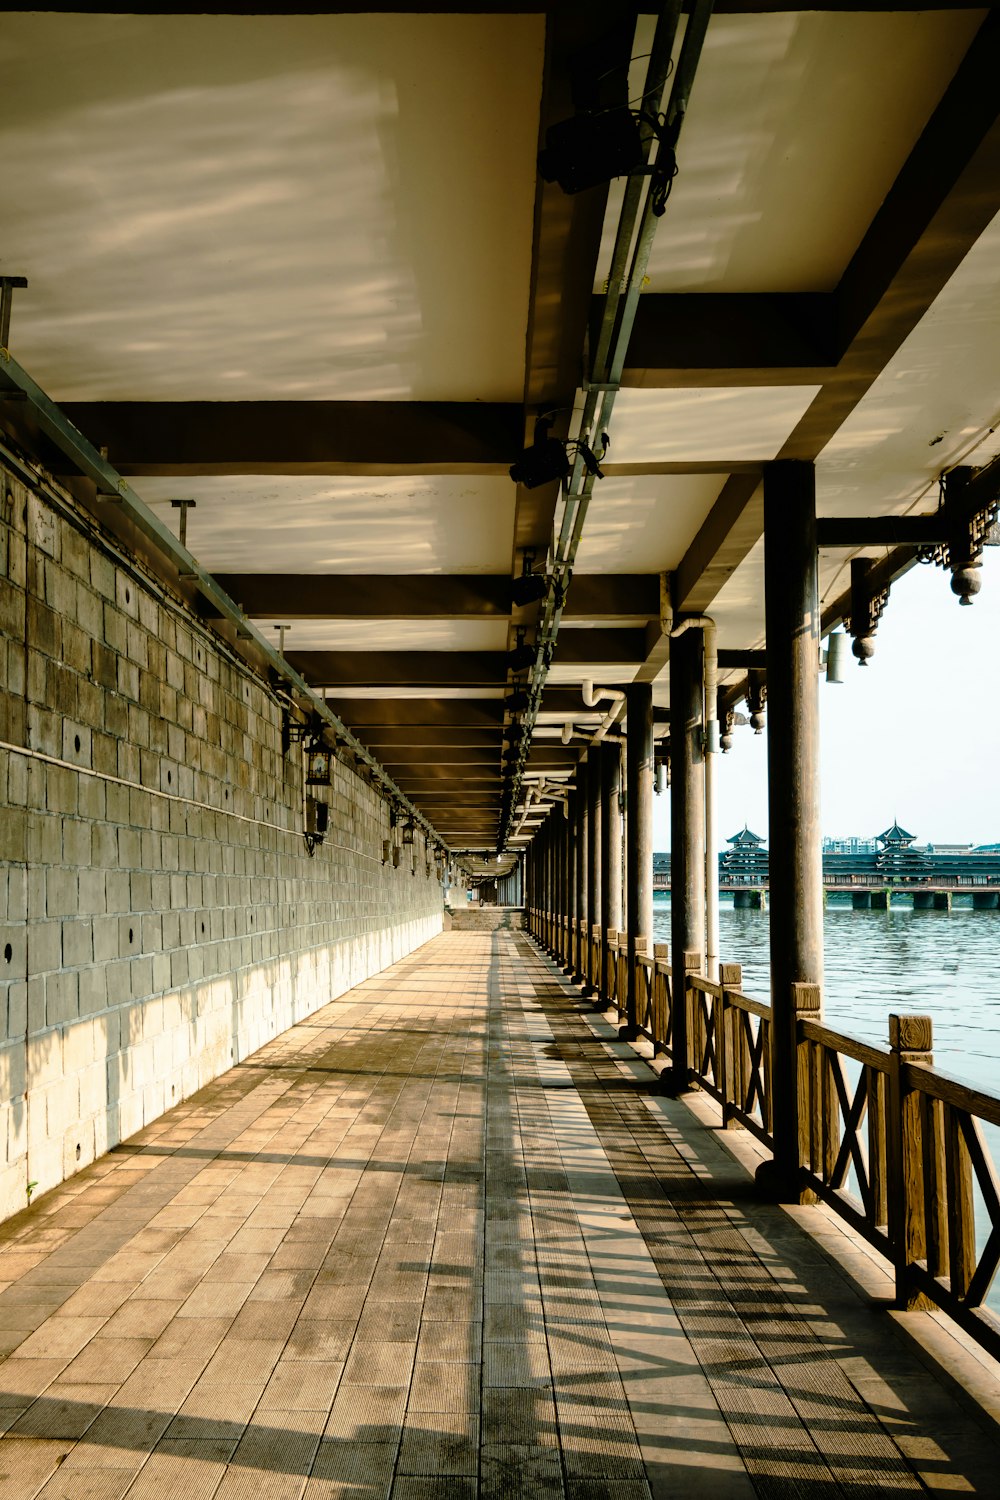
(30, 1189)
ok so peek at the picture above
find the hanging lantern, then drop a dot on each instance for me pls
(318, 765)
(408, 832)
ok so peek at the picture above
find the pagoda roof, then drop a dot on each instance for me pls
(745, 837)
(895, 835)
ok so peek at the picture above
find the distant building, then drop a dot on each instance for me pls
(745, 861)
(893, 856)
(849, 846)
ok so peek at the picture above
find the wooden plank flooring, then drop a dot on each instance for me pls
(442, 1240)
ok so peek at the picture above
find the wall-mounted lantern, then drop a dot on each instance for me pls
(317, 820)
(318, 759)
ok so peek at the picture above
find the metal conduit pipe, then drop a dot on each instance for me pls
(711, 749)
(592, 697)
(635, 226)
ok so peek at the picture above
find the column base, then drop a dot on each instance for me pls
(629, 1033)
(775, 1185)
(673, 1083)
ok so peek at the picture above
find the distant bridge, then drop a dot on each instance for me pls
(929, 892)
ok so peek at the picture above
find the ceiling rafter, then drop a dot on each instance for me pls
(427, 596)
(188, 438)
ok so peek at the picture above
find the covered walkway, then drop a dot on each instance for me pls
(444, 1239)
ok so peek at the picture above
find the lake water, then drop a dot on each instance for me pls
(943, 964)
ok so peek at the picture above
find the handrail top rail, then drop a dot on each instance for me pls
(933, 1081)
(738, 1001)
(869, 1053)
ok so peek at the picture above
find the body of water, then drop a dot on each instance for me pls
(942, 964)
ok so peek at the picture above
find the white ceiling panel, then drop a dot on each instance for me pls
(268, 207)
(644, 523)
(404, 524)
(598, 672)
(729, 423)
(390, 635)
(798, 125)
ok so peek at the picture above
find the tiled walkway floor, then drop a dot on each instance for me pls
(441, 1240)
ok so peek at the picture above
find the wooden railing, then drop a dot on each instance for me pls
(890, 1143)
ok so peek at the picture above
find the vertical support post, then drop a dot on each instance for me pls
(571, 886)
(556, 879)
(552, 876)
(582, 826)
(638, 840)
(611, 856)
(594, 822)
(911, 1039)
(792, 622)
(687, 838)
(727, 1041)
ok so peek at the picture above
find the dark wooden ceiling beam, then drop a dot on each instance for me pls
(430, 669)
(706, 338)
(433, 774)
(600, 647)
(452, 756)
(383, 740)
(566, 244)
(731, 528)
(187, 438)
(431, 596)
(433, 712)
(492, 7)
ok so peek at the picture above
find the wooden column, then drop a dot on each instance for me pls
(553, 879)
(594, 821)
(792, 623)
(638, 840)
(570, 911)
(687, 839)
(611, 854)
(582, 873)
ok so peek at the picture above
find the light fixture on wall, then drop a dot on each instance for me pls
(317, 820)
(318, 758)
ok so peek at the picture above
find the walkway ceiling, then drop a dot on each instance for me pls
(302, 270)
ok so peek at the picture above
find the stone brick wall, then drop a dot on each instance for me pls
(160, 915)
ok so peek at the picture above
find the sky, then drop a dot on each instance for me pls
(913, 736)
